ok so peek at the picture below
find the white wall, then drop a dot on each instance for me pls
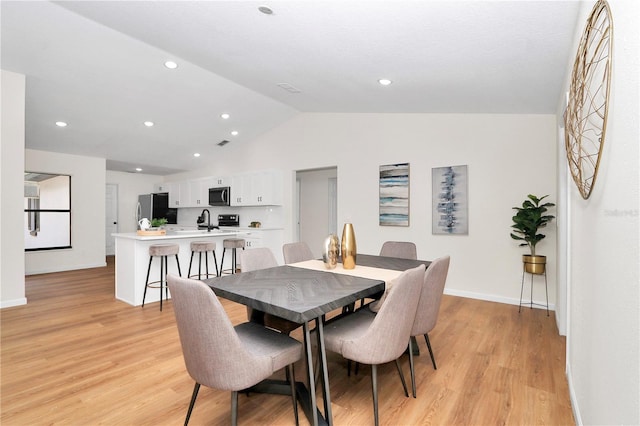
(130, 185)
(12, 195)
(509, 156)
(87, 212)
(603, 341)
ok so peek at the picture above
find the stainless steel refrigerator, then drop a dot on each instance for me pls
(155, 206)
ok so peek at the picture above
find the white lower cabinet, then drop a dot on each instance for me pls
(254, 238)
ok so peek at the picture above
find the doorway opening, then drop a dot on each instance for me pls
(316, 205)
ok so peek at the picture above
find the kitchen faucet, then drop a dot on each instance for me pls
(201, 219)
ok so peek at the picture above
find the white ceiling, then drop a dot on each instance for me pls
(98, 65)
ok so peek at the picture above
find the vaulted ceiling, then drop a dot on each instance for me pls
(99, 67)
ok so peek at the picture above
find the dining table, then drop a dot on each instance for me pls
(305, 293)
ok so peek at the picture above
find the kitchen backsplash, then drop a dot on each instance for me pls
(268, 216)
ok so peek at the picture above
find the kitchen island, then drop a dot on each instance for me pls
(132, 260)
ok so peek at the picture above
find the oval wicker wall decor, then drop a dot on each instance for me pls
(585, 118)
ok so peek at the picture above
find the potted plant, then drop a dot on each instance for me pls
(158, 223)
(528, 219)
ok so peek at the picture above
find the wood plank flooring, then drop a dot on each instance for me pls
(76, 356)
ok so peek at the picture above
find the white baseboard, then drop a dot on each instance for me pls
(14, 302)
(572, 396)
(498, 299)
(66, 268)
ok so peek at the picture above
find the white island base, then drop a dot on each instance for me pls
(132, 261)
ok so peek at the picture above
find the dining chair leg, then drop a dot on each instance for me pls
(294, 397)
(404, 384)
(196, 388)
(433, 360)
(234, 408)
(413, 374)
(374, 391)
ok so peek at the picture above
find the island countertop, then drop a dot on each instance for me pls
(180, 234)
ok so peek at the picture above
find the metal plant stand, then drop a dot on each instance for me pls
(546, 289)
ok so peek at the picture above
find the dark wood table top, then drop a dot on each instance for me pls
(296, 294)
(301, 295)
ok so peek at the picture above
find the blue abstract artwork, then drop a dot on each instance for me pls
(394, 195)
(450, 206)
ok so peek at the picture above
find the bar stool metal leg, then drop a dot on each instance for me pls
(162, 251)
(144, 295)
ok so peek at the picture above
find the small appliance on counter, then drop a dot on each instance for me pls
(255, 225)
(228, 220)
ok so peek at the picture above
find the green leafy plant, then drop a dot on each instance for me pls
(158, 222)
(528, 219)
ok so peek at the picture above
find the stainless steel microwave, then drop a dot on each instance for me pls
(219, 196)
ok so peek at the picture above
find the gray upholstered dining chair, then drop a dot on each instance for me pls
(402, 249)
(263, 258)
(221, 356)
(296, 252)
(428, 307)
(375, 339)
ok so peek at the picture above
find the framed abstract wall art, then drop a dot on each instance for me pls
(449, 200)
(394, 195)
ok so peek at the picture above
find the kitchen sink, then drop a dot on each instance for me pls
(191, 231)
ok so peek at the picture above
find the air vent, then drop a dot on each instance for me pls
(223, 143)
(289, 88)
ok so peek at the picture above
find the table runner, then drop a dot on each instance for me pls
(387, 275)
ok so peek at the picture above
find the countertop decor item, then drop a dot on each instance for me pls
(331, 251)
(585, 119)
(348, 247)
(526, 223)
(157, 223)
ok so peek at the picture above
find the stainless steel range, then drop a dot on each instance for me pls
(228, 220)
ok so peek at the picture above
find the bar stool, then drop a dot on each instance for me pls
(203, 247)
(162, 251)
(233, 244)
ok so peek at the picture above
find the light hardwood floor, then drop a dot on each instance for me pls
(76, 356)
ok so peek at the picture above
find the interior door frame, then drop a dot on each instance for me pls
(109, 201)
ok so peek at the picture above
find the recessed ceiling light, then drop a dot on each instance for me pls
(61, 124)
(224, 116)
(148, 123)
(234, 133)
(138, 169)
(266, 10)
(197, 154)
(385, 81)
(171, 65)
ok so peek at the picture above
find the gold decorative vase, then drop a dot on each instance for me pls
(331, 251)
(348, 247)
(534, 264)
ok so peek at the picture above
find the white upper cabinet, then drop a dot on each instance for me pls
(199, 192)
(263, 188)
(266, 188)
(219, 181)
(161, 187)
